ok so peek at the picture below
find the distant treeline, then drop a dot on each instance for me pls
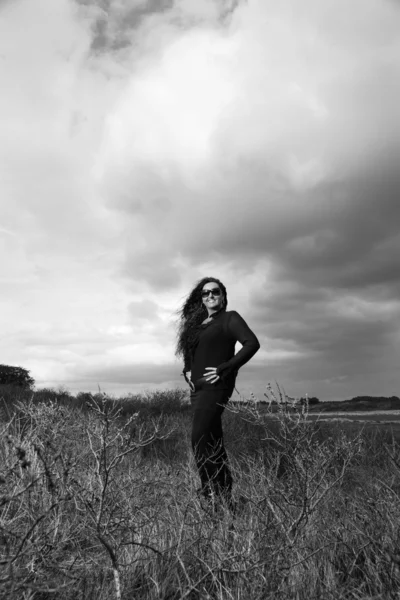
(367, 403)
(374, 399)
(298, 401)
(312, 400)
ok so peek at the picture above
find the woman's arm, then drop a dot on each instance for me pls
(187, 363)
(242, 333)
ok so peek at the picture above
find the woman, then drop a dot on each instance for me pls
(206, 341)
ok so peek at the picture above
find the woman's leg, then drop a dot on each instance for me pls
(208, 447)
(222, 476)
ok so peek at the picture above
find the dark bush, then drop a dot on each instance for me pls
(311, 401)
(16, 376)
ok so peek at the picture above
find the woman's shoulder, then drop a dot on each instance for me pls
(232, 313)
(232, 317)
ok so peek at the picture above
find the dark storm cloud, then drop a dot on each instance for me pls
(320, 321)
(342, 235)
(357, 245)
(116, 24)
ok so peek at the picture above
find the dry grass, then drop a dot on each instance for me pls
(98, 500)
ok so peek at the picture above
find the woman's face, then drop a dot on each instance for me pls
(212, 302)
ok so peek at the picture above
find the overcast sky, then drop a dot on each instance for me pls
(147, 144)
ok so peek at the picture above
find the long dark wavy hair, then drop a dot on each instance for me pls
(191, 315)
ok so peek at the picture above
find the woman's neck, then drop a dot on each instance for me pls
(213, 313)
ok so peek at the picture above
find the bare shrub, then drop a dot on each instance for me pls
(99, 501)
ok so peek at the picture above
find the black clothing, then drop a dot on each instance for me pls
(208, 444)
(216, 348)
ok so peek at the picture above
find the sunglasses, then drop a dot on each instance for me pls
(214, 292)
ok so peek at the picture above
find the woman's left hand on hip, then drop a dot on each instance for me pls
(211, 376)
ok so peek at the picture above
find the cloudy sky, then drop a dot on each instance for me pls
(147, 144)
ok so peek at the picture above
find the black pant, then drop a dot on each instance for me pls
(208, 443)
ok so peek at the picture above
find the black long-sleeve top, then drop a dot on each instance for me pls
(216, 348)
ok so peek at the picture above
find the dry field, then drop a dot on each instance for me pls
(377, 417)
(98, 501)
